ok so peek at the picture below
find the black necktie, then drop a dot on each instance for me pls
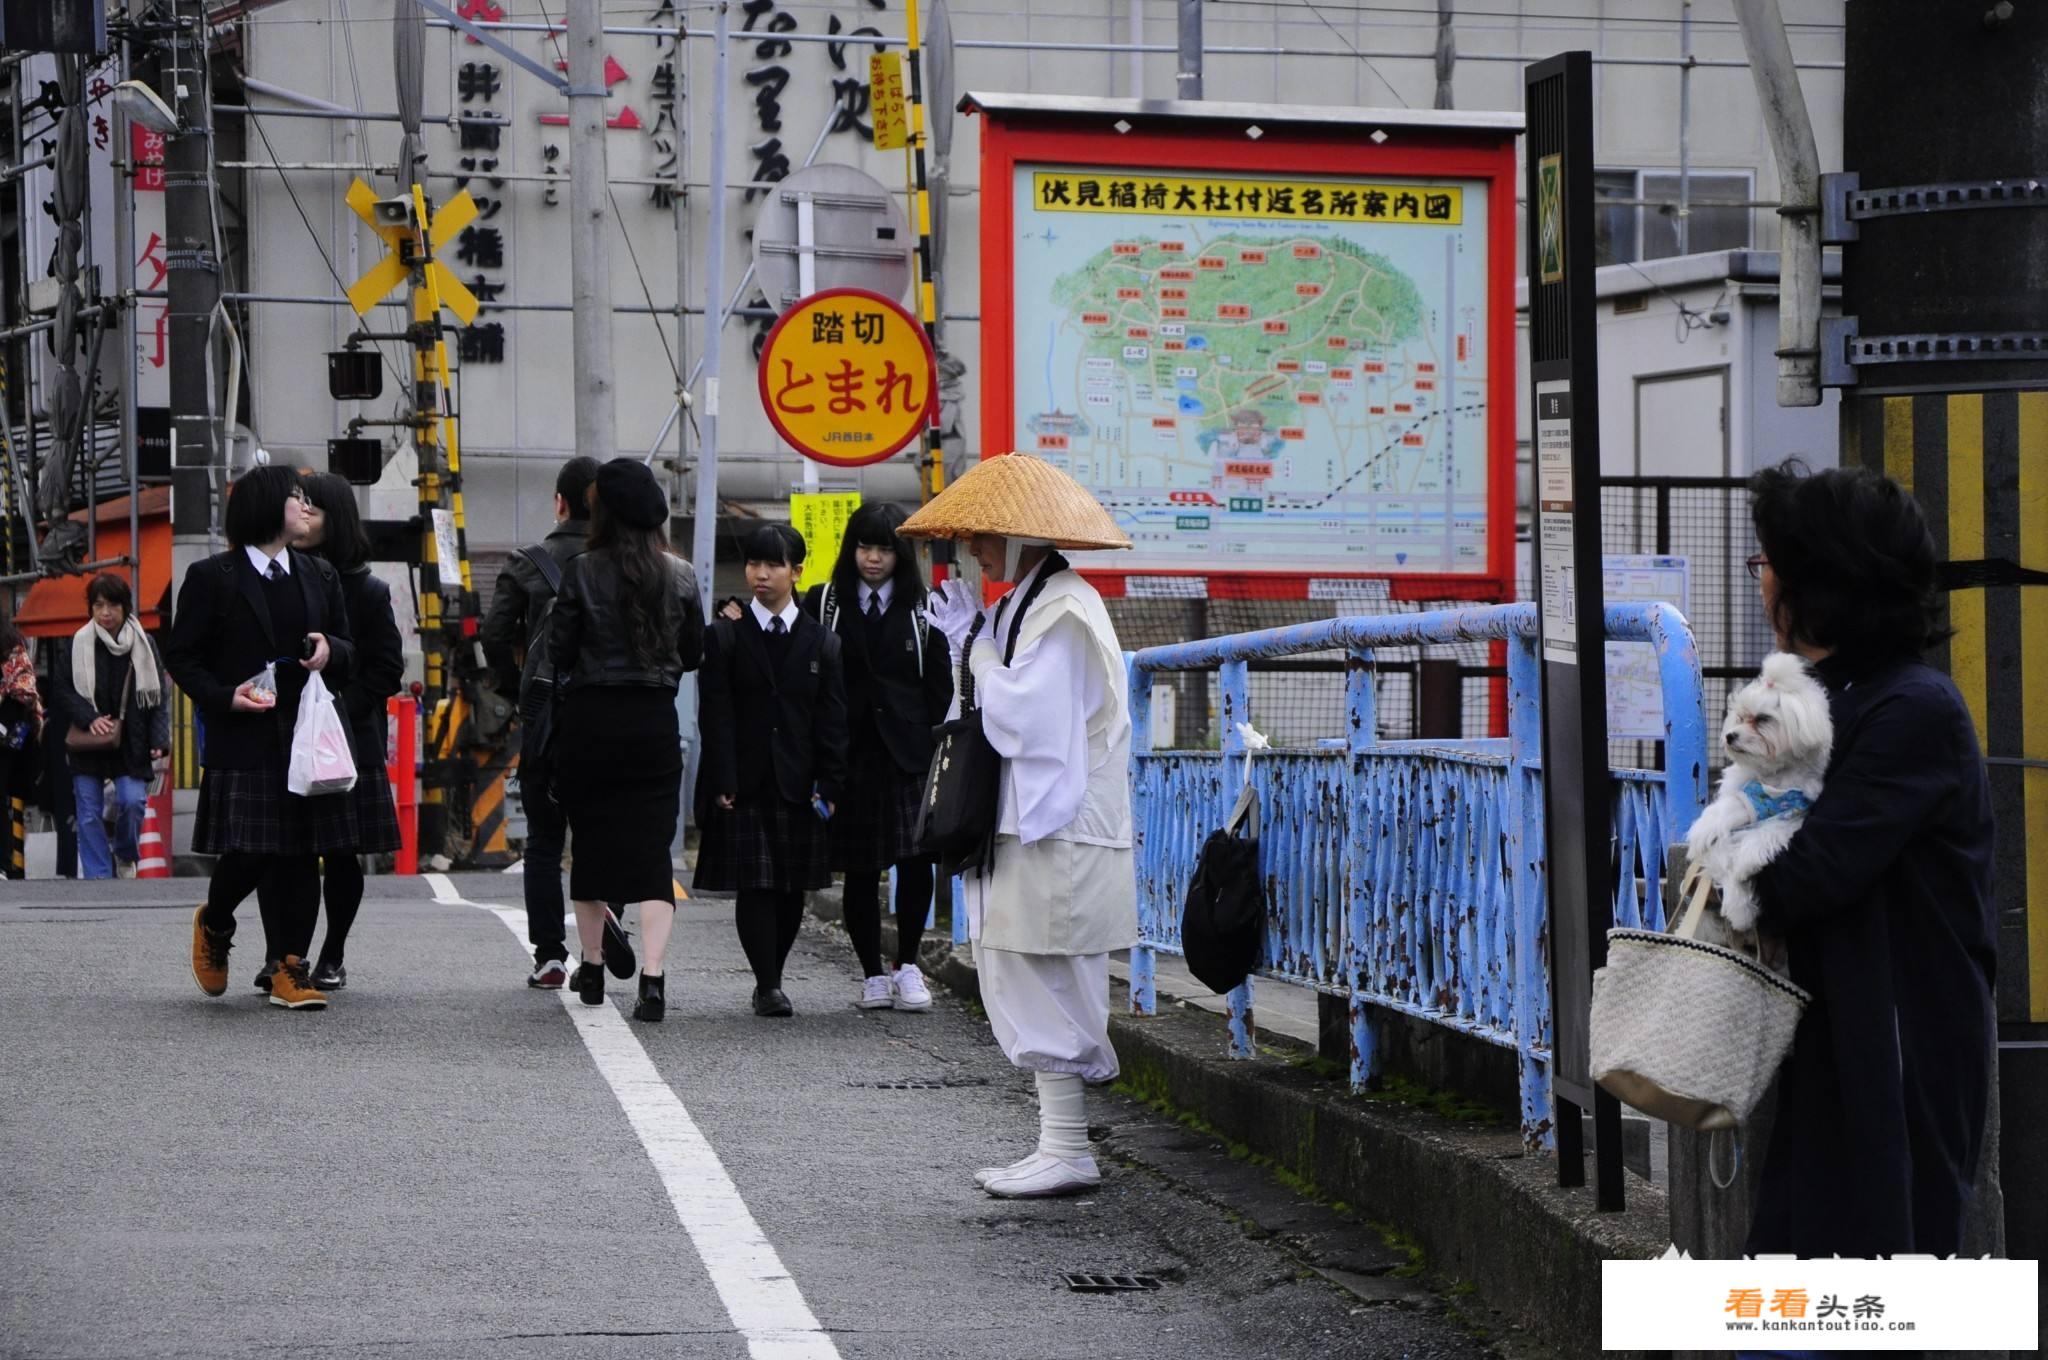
(775, 626)
(276, 572)
(874, 605)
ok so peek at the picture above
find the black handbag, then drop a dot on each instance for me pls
(956, 824)
(1223, 924)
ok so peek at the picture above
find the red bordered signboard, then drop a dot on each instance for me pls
(1279, 350)
(848, 377)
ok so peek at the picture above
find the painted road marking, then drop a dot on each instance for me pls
(759, 1295)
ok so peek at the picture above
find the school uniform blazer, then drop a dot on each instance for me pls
(379, 670)
(884, 688)
(771, 731)
(222, 635)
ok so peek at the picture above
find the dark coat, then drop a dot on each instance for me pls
(380, 664)
(1884, 900)
(521, 598)
(222, 635)
(142, 729)
(766, 730)
(891, 708)
(587, 640)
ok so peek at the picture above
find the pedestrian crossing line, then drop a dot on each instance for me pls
(756, 1289)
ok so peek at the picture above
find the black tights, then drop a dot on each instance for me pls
(286, 895)
(863, 908)
(768, 919)
(296, 880)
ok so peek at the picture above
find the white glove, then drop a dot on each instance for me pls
(952, 609)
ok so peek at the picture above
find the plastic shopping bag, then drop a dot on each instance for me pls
(321, 761)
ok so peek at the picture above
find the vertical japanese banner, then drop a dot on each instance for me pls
(821, 518)
(152, 270)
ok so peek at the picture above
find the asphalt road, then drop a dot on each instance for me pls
(446, 1164)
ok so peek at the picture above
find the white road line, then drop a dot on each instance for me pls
(759, 1295)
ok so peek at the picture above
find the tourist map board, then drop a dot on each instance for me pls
(1282, 374)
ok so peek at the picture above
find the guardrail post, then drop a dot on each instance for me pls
(402, 767)
(1144, 989)
(1233, 700)
(1523, 856)
(1361, 734)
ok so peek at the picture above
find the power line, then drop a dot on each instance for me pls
(1355, 52)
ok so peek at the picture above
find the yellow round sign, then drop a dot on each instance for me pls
(848, 378)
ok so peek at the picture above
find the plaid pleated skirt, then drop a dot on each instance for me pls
(767, 843)
(376, 811)
(875, 825)
(250, 811)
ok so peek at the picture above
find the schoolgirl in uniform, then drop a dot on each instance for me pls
(898, 687)
(773, 771)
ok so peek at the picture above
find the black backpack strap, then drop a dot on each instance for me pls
(544, 562)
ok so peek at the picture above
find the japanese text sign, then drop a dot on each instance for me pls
(821, 518)
(1286, 200)
(147, 146)
(847, 377)
(889, 108)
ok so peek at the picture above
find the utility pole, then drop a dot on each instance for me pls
(194, 287)
(704, 537)
(1941, 354)
(1187, 75)
(590, 275)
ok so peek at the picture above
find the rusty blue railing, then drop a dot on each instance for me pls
(1406, 875)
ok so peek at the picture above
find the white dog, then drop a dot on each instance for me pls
(1779, 736)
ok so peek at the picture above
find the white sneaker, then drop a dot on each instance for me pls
(124, 868)
(874, 994)
(1045, 1176)
(911, 992)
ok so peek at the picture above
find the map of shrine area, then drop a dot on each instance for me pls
(1247, 393)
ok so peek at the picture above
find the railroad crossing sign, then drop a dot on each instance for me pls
(848, 378)
(397, 221)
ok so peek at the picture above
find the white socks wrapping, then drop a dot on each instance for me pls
(1062, 1116)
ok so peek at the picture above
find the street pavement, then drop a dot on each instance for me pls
(447, 1164)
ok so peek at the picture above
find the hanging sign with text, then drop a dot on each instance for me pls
(848, 378)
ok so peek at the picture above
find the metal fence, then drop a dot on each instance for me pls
(1406, 875)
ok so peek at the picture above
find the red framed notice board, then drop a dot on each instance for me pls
(1278, 343)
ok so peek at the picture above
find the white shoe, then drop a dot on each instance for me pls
(989, 1173)
(1047, 1176)
(911, 992)
(874, 994)
(124, 868)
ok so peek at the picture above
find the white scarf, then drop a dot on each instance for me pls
(149, 689)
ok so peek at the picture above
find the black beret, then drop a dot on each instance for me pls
(630, 493)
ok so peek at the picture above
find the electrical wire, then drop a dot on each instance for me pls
(1355, 52)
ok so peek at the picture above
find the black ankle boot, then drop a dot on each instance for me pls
(653, 1003)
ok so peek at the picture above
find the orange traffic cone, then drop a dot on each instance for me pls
(153, 850)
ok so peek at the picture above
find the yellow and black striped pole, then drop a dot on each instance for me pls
(932, 468)
(1978, 464)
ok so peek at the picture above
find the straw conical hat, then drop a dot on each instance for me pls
(1018, 496)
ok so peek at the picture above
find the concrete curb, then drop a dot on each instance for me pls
(1481, 1210)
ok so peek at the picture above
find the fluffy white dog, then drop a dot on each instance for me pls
(1779, 736)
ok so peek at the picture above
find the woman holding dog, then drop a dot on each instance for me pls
(1883, 898)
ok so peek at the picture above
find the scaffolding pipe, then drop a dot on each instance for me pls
(704, 533)
(1187, 75)
(1685, 128)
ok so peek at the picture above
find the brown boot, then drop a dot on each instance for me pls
(209, 955)
(292, 986)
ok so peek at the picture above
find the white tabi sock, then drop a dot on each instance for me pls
(1062, 1116)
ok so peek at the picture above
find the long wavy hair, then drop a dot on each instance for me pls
(646, 587)
(874, 526)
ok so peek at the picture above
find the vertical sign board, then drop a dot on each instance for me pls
(1565, 399)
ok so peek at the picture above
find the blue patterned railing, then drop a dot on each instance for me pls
(1406, 876)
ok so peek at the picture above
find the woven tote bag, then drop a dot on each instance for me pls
(1686, 1031)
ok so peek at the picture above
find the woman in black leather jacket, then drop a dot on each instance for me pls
(627, 623)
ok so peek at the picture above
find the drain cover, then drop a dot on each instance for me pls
(1083, 1283)
(899, 1085)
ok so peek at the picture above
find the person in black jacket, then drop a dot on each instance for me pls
(1883, 897)
(515, 650)
(333, 527)
(113, 676)
(628, 623)
(774, 766)
(259, 615)
(898, 687)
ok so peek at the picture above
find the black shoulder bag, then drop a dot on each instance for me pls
(957, 822)
(537, 707)
(1223, 924)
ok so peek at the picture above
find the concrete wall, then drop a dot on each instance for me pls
(517, 415)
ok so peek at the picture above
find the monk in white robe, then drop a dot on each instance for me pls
(1061, 893)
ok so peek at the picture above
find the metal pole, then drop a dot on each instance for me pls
(1188, 76)
(1136, 80)
(1685, 128)
(682, 205)
(194, 287)
(704, 539)
(590, 278)
(124, 280)
(1792, 145)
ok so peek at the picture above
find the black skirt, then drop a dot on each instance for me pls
(763, 844)
(619, 778)
(875, 825)
(250, 811)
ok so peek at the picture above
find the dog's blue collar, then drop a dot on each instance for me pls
(1768, 805)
